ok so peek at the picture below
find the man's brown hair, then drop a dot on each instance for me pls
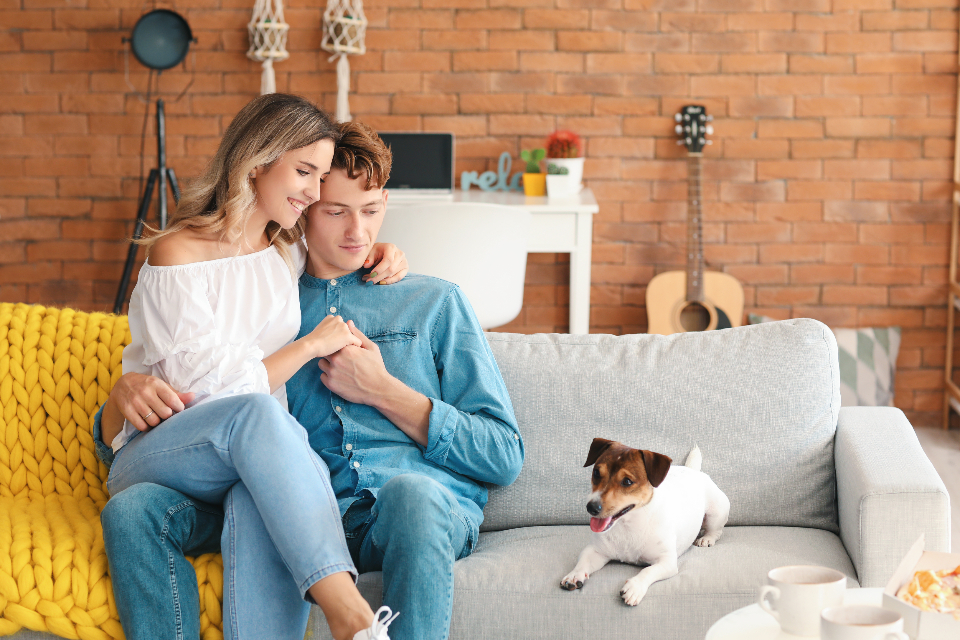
(361, 153)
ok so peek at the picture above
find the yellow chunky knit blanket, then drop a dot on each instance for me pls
(57, 367)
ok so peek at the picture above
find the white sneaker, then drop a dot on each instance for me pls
(378, 630)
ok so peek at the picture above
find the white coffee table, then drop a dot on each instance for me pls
(753, 623)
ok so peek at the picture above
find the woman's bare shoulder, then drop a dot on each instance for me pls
(183, 247)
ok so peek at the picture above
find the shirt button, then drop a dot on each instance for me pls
(333, 309)
(349, 447)
(339, 409)
(333, 282)
(356, 465)
(516, 437)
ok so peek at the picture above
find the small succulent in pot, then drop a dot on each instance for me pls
(533, 157)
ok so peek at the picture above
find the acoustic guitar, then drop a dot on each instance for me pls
(694, 299)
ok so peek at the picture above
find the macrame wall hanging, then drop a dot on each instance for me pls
(268, 40)
(344, 27)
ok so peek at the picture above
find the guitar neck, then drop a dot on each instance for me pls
(694, 230)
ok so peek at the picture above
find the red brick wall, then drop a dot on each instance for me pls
(826, 191)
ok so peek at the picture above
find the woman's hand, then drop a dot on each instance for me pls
(331, 335)
(144, 400)
(391, 264)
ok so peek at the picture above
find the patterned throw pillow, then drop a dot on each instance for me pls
(868, 363)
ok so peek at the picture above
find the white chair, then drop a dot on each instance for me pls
(481, 247)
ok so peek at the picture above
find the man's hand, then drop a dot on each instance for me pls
(143, 400)
(356, 374)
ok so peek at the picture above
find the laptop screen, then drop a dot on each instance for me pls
(420, 160)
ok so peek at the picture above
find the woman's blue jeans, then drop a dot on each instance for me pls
(251, 456)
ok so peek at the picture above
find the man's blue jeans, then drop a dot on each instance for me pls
(281, 525)
(413, 532)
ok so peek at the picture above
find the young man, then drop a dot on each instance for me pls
(412, 425)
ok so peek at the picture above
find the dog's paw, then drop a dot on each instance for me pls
(633, 591)
(708, 540)
(574, 580)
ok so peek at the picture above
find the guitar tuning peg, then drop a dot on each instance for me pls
(677, 117)
(709, 118)
(688, 140)
(709, 142)
(678, 129)
(687, 128)
(702, 141)
(709, 130)
(679, 143)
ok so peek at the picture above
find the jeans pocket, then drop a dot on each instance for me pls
(356, 518)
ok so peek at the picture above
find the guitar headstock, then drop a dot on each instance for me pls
(692, 127)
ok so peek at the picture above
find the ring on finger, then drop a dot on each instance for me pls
(149, 414)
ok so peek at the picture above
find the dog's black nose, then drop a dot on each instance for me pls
(594, 507)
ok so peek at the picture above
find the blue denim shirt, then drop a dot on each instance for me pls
(431, 341)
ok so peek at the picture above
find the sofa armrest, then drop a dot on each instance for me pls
(887, 490)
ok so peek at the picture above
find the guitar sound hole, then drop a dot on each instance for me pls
(694, 317)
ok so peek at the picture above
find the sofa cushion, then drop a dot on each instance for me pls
(510, 586)
(761, 402)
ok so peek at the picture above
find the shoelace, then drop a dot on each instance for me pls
(379, 627)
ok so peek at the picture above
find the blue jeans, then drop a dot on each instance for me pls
(281, 526)
(413, 532)
(147, 531)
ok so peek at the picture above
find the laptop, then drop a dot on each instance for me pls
(422, 165)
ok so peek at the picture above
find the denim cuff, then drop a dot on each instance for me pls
(104, 452)
(442, 428)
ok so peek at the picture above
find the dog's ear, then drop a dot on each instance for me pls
(657, 466)
(597, 448)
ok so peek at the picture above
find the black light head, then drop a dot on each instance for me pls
(160, 39)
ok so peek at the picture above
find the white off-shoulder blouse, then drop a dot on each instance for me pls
(206, 327)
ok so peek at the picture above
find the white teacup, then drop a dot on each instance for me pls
(861, 622)
(796, 595)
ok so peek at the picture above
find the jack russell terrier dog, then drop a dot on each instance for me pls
(643, 511)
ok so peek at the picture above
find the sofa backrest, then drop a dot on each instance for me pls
(761, 402)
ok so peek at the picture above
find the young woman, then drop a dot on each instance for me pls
(213, 315)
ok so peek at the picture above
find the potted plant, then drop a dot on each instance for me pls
(534, 182)
(564, 152)
(559, 184)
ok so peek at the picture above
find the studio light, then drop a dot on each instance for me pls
(160, 40)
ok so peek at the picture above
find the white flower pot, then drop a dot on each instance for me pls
(560, 186)
(574, 167)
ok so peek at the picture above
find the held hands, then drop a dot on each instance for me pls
(391, 264)
(332, 335)
(356, 373)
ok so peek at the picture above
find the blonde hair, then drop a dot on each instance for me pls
(362, 153)
(222, 199)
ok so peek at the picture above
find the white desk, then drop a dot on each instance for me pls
(557, 225)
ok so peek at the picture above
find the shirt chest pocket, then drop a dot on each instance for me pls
(399, 348)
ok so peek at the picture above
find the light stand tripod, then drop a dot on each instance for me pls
(162, 173)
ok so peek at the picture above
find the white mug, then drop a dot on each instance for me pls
(796, 595)
(861, 622)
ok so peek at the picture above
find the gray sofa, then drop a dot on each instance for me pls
(808, 482)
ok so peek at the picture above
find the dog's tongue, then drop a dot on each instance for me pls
(599, 525)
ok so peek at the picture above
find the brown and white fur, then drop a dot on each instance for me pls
(645, 511)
